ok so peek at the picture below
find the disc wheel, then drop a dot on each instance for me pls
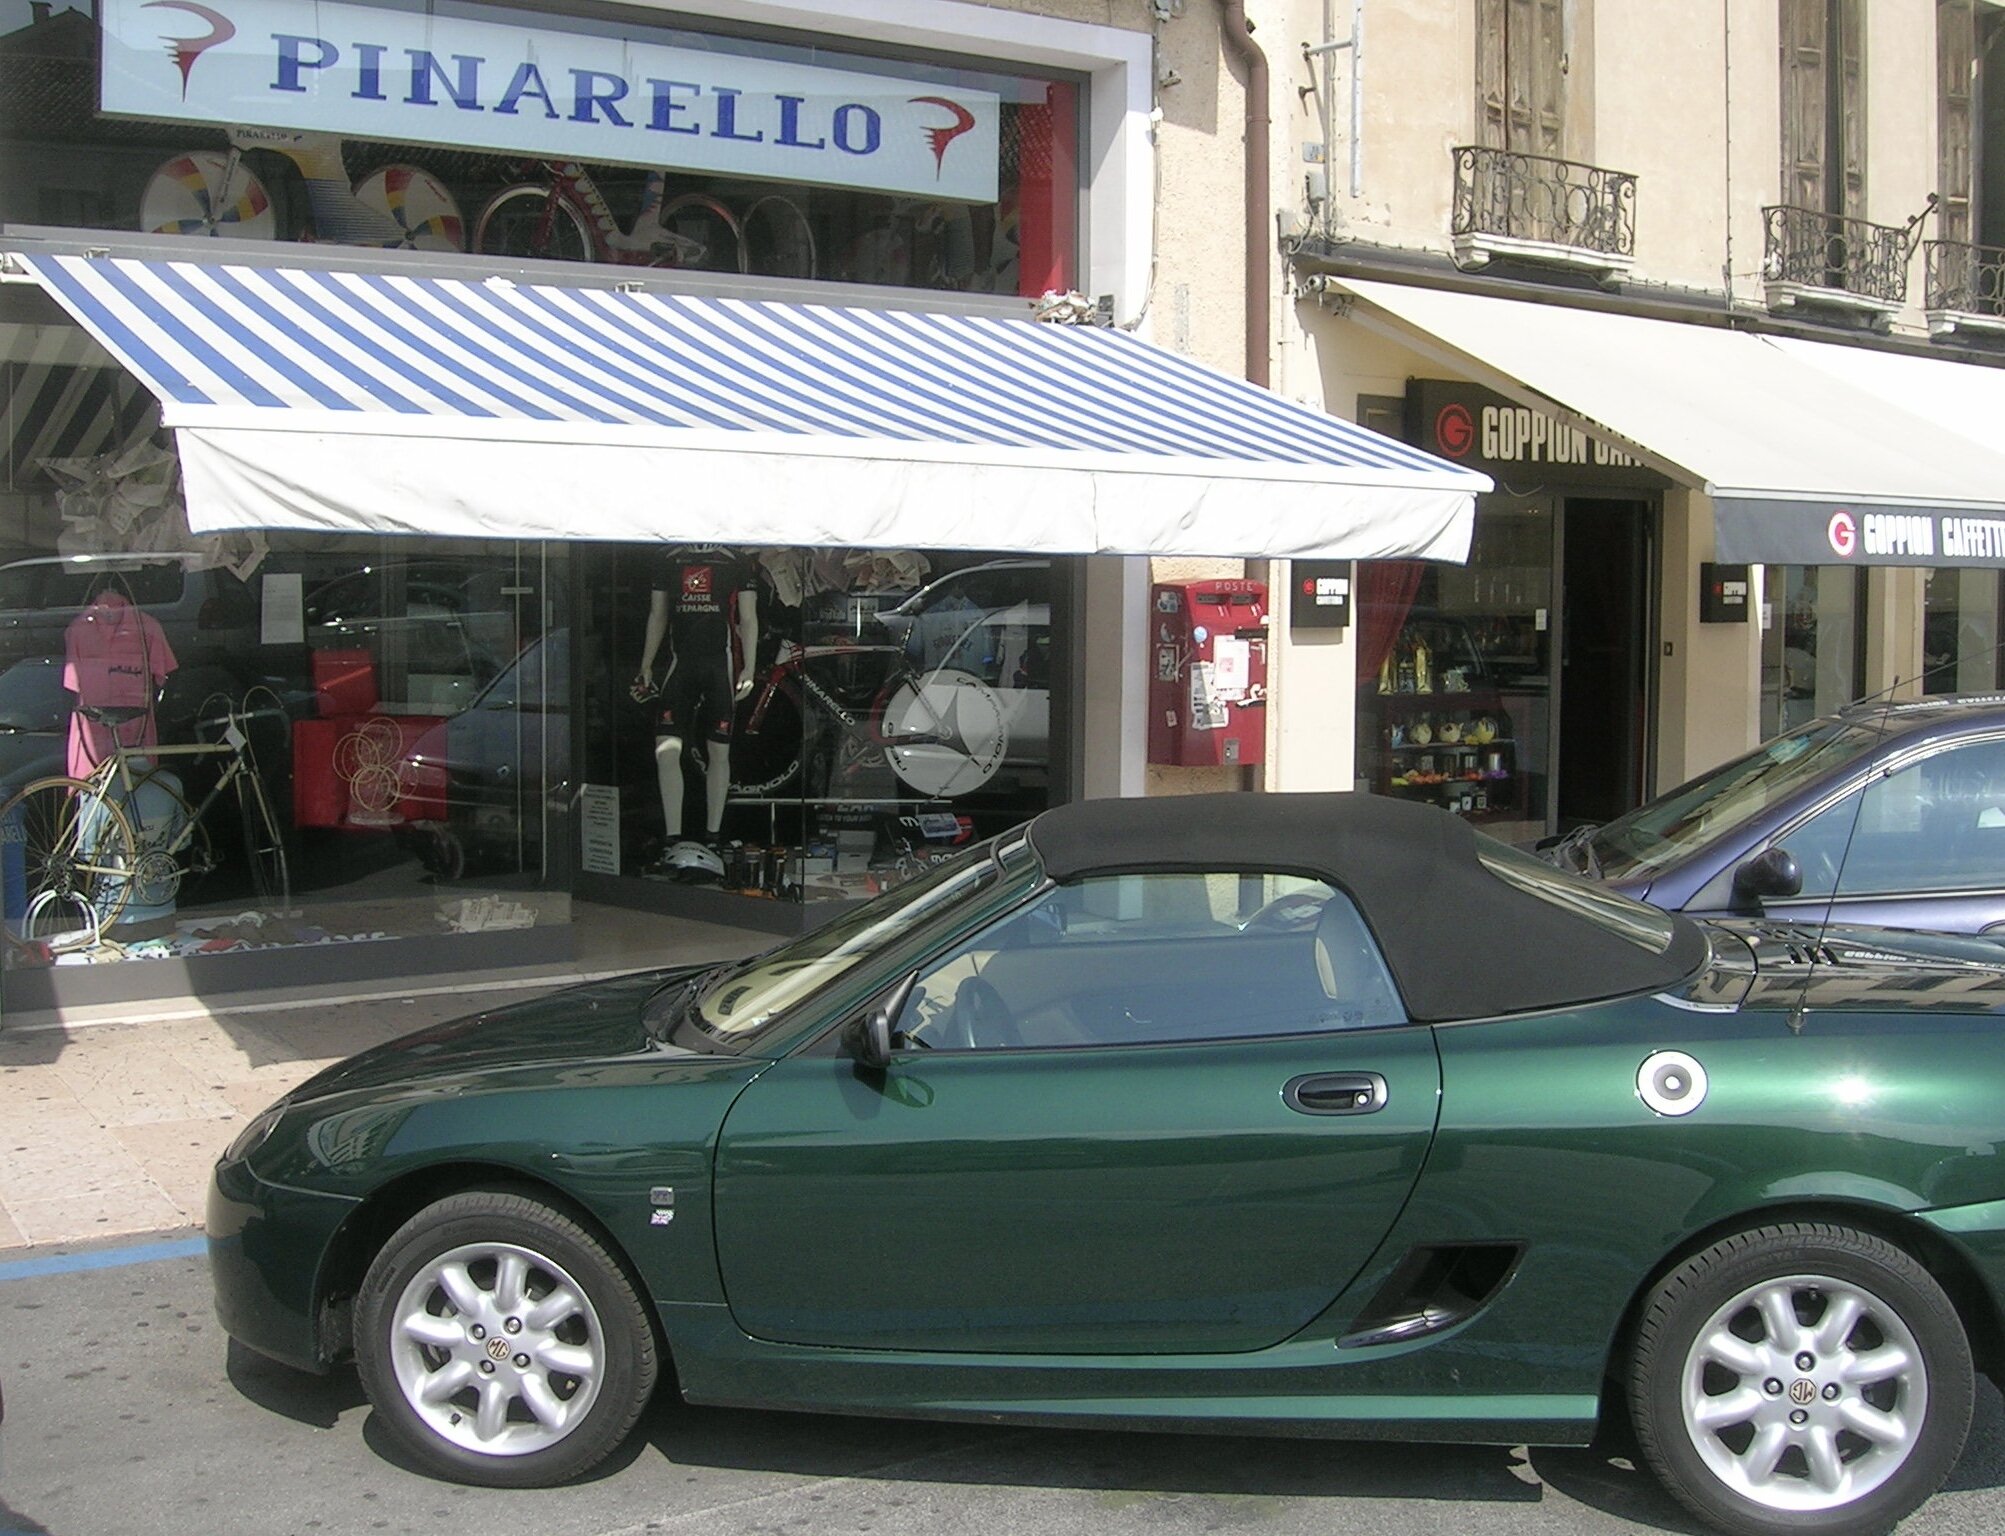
(532, 219)
(1803, 1379)
(77, 853)
(707, 235)
(425, 214)
(944, 731)
(206, 192)
(501, 1343)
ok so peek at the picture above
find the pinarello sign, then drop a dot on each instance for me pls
(596, 94)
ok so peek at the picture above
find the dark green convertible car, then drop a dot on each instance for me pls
(1308, 1114)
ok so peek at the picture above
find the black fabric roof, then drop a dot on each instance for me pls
(1461, 942)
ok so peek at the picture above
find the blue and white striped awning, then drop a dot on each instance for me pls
(336, 400)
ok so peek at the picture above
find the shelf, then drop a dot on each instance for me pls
(1452, 746)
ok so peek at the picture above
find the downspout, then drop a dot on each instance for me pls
(1259, 317)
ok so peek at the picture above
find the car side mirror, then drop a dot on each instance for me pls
(1772, 872)
(867, 1040)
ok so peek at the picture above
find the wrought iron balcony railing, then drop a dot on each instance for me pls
(1963, 283)
(1539, 206)
(1810, 253)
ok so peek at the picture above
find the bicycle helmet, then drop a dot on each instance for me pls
(693, 863)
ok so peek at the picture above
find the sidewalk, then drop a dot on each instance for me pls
(109, 1122)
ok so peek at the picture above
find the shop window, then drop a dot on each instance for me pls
(1813, 649)
(1157, 959)
(814, 724)
(243, 745)
(832, 165)
(1960, 636)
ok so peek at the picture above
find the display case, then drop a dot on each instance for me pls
(1433, 726)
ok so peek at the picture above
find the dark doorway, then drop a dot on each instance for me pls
(1604, 701)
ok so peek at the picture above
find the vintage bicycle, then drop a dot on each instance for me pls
(561, 214)
(823, 712)
(127, 834)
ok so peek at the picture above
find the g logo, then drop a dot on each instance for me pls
(1843, 534)
(1454, 431)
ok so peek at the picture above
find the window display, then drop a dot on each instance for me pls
(1813, 644)
(219, 746)
(509, 133)
(884, 708)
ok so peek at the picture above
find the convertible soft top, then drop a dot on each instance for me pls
(1461, 942)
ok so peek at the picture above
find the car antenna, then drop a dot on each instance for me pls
(1798, 1010)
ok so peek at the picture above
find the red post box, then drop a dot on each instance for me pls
(1208, 672)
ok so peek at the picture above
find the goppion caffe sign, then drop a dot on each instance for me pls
(1515, 445)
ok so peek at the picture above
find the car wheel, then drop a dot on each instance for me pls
(501, 1343)
(1801, 1378)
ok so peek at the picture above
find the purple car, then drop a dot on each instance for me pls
(1891, 814)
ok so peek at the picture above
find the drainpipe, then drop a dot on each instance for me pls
(1259, 320)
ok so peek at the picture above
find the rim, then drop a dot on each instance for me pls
(1804, 1393)
(497, 1349)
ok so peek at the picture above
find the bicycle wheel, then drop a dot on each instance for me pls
(420, 213)
(944, 731)
(77, 855)
(206, 192)
(779, 242)
(532, 219)
(264, 843)
(708, 236)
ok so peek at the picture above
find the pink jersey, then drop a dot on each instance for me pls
(114, 655)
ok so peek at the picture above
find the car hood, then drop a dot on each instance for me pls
(593, 1023)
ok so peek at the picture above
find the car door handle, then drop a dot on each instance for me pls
(1336, 1093)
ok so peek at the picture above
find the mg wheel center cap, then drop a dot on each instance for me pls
(1802, 1391)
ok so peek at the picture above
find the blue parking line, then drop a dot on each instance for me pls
(109, 1258)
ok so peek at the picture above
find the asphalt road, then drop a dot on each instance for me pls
(127, 1411)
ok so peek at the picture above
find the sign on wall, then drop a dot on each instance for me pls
(1775, 532)
(1514, 444)
(569, 94)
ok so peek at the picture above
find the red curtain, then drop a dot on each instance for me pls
(1386, 590)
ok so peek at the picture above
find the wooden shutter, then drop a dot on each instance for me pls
(1803, 111)
(1850, 19)
(1548, 48)
(1956, 62)
(1521, 76)
(1492, 116)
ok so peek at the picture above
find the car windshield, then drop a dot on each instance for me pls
(1661, 833)
(740, 1002)
(1645, 927)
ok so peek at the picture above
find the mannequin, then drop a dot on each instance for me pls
(700, 596)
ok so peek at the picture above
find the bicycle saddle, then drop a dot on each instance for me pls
(112, 714)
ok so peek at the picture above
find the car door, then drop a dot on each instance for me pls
(1139, 1114)
(1920, 845)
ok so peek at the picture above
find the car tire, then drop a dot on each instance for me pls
(1801, 1378)
(501, 1343)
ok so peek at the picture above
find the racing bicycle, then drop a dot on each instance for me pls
(822, 712)
(560, 213)
(127, 834)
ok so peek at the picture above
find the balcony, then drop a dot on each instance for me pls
(1965, 287)
(1812, 259)
(1540, 209)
